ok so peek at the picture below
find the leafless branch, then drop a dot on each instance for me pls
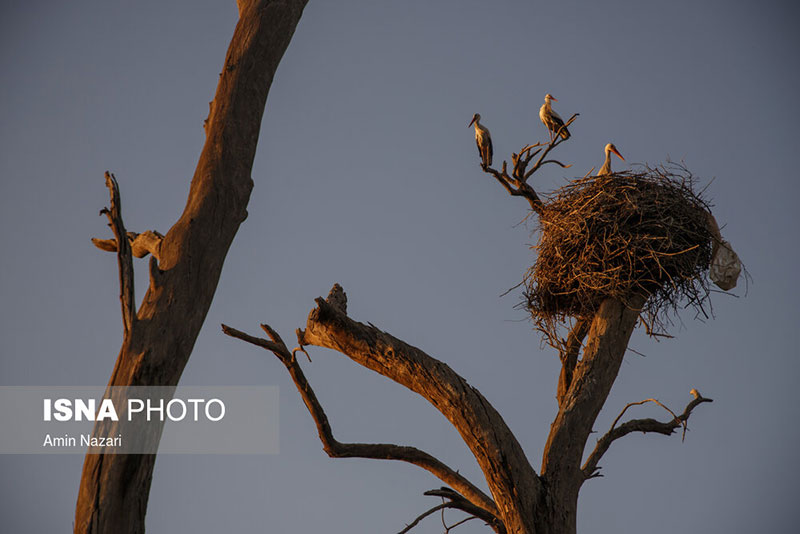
(378, 451)
(425, 514)
(651, 331)
(124, 260)
(448, 528)
(517, 183)
(640, 425)
(515, 187)
(457, 501)
(508, 473)
(523, 176)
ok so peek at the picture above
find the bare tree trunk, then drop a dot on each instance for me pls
(607, 341)
(159, 338)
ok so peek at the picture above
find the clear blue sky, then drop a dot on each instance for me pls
(367, 175)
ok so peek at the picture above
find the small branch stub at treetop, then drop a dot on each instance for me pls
(124, 259)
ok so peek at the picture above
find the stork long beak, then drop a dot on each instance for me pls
(554, 99)
(472, 121)
(615, 151)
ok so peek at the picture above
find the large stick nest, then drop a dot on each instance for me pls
(618, 235)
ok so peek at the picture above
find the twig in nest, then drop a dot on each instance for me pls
(619, 235)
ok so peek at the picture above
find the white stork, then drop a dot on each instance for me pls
(552, 120)
(484, 140)
(606, 168)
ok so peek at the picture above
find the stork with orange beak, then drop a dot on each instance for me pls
(606, 168)
(484, 140)
(552, 120)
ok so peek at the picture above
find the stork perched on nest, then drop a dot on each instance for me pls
(552, 120)
(484, 140)
(606, 168)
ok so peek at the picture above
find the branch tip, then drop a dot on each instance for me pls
(124, 254)
(590, 468)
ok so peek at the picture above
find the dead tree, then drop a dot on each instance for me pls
(186, 262)
(520, 500)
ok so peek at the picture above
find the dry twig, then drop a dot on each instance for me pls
(458, 502)
(617, 235)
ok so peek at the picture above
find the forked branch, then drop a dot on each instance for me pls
(519, 169)
(517, 183)
(508, 473)
(590, 468)
(467, 491)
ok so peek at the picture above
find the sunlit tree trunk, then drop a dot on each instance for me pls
(159, 337)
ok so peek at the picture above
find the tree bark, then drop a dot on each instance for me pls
(594, 374)
(114, 488)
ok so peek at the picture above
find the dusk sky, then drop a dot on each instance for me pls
(367, 175)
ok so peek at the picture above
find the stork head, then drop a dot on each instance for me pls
(548, 97)
(611, 148)
(475, 118)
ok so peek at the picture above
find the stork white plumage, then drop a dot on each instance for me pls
(606, 168)
(484, 140)
(552, 120)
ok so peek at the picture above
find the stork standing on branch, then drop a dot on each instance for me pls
(551, 119)
(484, 140)
(606, 168)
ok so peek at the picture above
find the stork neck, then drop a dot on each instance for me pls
(606, 168)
